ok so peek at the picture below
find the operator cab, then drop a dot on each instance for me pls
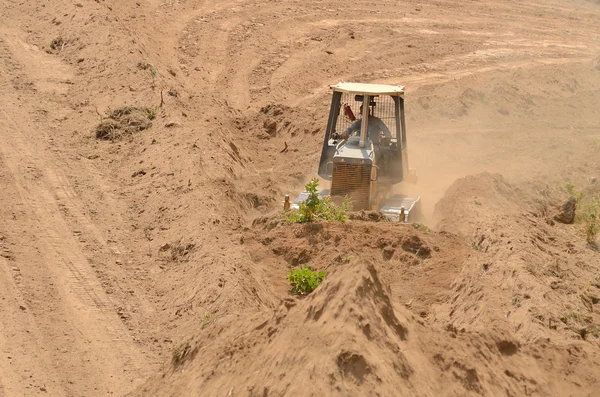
(385, 112)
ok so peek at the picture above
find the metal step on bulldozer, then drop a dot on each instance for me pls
(365, 157)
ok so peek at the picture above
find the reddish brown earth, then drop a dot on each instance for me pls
(155, 262)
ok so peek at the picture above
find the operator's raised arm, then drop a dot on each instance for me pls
(351, 129)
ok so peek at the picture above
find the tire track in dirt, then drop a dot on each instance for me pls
(251, 52)
(74, 317)
(19, 375)
(415, 81)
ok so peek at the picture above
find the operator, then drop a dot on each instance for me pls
(375, 126)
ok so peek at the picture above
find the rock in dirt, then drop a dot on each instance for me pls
(172, 124)
(270, 127)
(567, 211)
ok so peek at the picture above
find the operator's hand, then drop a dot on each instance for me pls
(386, 140)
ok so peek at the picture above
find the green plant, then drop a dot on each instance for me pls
(304, 280)
(180, 353)
(315, 207)
(144, 65)
(151, 113)
(313, 204)
(421, 227)
(206, 320)
(591, 215)
(570, 186)
(588, 211)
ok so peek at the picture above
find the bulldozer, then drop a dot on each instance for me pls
(365, 157)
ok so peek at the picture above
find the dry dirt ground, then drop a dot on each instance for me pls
(141, 248)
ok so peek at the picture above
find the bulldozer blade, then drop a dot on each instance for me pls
(402, 208)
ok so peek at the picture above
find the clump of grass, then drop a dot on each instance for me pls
(305, 280)
(590, 215)
(180, 353)
(145, 65)
(345, 259)
(315, 207)
(421, 227)
(588, 212)
(206, 320)
(581, 324)
(124, 121)
(151, 112)
(570, 186)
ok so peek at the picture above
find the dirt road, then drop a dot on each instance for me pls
(61, 332)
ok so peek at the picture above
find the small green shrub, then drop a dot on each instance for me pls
(570, 186)
(206, 320)
(421, 227)
(151, 113)
(315, 207)
(180, 353)
(588, 211)
(304, 280)
(590, 214)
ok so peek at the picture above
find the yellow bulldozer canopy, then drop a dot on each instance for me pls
(369, 89)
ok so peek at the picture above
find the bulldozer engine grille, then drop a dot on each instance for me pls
(353, 181)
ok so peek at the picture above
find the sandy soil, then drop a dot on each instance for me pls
(154, 262)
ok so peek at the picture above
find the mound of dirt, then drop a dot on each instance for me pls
(528, 275)
(349, 337)
(404, 311)
(124, 122)
(410, 258)
(477, 199)
(351, 319)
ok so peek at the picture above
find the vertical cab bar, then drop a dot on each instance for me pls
(365, 121)
(328, 151)
(402, 122)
